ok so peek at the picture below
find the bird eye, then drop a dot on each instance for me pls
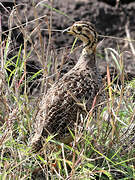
(79, 28)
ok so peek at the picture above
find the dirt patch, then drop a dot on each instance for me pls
(109, 17)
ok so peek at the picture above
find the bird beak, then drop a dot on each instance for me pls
(68, 30)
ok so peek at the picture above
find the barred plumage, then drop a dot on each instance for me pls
(59, 108)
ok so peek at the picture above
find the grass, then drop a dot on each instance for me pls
(104, 150)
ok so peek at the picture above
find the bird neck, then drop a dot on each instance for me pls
(88, 57)
(89, 47)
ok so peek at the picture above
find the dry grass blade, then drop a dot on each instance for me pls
(103, 146)
(129, 37)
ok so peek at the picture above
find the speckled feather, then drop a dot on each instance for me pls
(59, 108)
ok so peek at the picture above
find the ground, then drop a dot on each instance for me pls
(110, 19)
(37, 26)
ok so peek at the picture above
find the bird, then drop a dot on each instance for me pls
(73, 93)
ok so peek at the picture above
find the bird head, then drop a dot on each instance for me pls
(85, 31)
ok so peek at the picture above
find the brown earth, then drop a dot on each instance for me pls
(110, 19)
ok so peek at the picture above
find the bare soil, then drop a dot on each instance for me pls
(109, 17)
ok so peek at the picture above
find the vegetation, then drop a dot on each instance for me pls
(101, 150)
